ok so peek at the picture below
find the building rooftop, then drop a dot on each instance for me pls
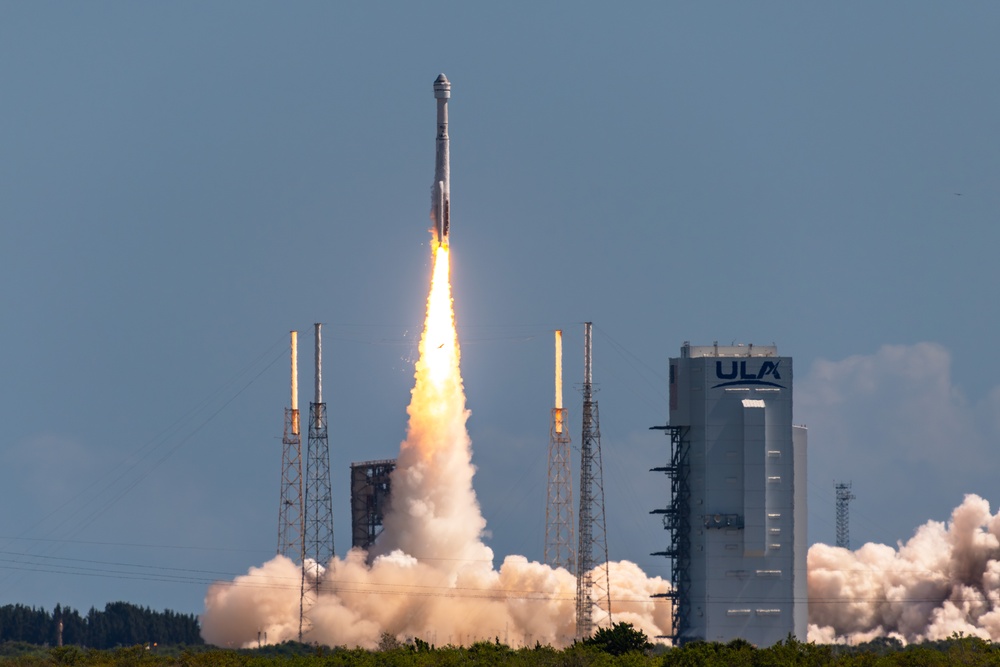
(739, 350)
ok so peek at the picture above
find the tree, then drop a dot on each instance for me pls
(619, 639)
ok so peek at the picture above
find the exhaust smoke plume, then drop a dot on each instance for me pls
(945, 579)
(431, 576)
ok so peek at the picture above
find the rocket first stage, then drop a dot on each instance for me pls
(441, 190)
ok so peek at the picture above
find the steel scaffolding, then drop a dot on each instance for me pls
(592, 529)
(371, 488)
(677, 522)
(318, 495)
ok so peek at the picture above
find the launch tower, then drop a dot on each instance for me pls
(737, 517)
(371, 488)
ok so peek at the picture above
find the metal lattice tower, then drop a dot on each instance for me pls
(318, 497)
(844, 497)
(319, 501)
(559, 507)
(592, 529)
(290, 508)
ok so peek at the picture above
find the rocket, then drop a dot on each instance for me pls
(441, 190)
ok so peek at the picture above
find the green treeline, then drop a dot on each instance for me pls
(120, 624)
(620, 645)
(957, 650)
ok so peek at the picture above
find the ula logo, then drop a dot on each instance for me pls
(737, 373)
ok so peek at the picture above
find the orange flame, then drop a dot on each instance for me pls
(437, 403)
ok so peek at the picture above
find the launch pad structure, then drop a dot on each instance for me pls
(371, 488)
(677, 523)
(305, 510)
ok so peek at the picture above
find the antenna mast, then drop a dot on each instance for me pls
(559, 508)
(592, 527)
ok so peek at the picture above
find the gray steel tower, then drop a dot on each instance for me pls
(559, 506)
(592, 530)
(290, 508)
(844, 497)
(318, 497)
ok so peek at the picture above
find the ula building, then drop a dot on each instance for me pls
(737, 513)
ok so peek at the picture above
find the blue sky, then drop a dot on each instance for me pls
(182, 183)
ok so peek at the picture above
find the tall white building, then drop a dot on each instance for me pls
(738, 496)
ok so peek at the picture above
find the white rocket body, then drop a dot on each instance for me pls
(441, 190)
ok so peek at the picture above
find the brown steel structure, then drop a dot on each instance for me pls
(370, 491)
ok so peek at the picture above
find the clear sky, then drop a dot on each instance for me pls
(182, 183)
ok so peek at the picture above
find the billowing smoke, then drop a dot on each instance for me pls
(430, 575)
(945, 579)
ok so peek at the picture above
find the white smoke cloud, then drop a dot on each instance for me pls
(522, 602)
(897, 425)
(901, 398)
(945, 579)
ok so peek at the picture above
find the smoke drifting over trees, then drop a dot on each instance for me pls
(945, 579)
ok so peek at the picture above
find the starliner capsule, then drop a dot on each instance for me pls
(441, 190)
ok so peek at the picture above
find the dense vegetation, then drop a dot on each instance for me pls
(620, 645)
(120, 624)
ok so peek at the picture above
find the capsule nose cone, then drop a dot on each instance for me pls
(442, 87)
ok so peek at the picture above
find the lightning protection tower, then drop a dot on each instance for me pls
(290, 509)
(844, 497)
(559, 508)
(592, 530)
(319, 502)
(318, 540)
